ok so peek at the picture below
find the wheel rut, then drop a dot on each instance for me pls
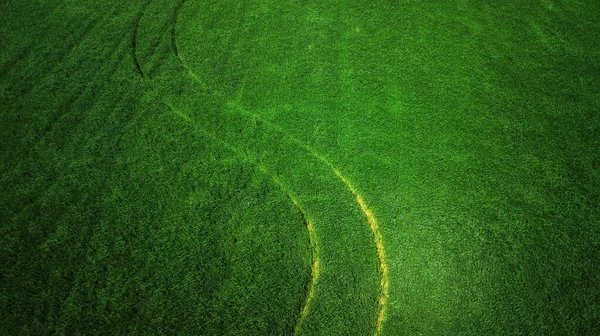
(308, 223)
(134, 36)
(367, 212)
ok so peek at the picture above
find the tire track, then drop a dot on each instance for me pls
(10, 64)
(176, 49)
(314, 247)
(53, 126)
(169, 23)
(315, 263)
(308, 223)
(368, 213)
(62, 116)
(93, 87)
(134, 34)
(384, 282)
(180, 57)
(174, 25)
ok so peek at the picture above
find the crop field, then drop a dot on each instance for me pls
(179, 167)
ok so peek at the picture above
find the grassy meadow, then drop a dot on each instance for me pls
(177, 167)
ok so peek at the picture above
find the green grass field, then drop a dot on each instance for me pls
(178, 167)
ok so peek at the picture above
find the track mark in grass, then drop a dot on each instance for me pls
(134, 34)
(174, 25)
(169, 23)
(186, 67)
(312, 237)
(52, 62)
(6, 67)
(371, 219)
(174, 30)
(314, 275)
(176, 48)
(180, 114)
(92, 87)
(31, 46)
(383, 266)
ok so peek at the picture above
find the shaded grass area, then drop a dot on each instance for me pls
(119, 218)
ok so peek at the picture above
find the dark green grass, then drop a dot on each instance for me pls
(119, 218)
(142, 144)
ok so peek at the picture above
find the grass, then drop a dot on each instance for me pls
(308, 168)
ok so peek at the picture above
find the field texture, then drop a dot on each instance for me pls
(179, 167)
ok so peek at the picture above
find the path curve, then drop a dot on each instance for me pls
(365, 209)
(312, 238)
(368, 213)
(314, 268)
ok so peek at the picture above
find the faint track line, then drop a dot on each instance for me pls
(92, 88)
(312, 237)
(134, 36)
(181, 59)
(173, 27)
(176, 49)
(168, 23)
(55, 60)
(314, 247)
(315, 266)
(30, 47)
(40, 193)
(368, 213)
(370, 217)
